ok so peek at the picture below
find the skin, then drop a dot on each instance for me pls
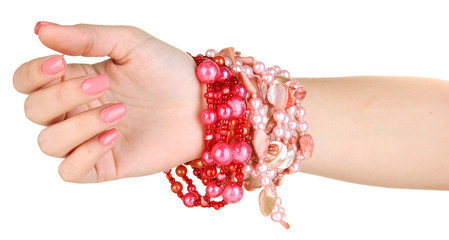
(383, 131)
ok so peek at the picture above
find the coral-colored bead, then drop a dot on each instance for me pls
(224, 111)
(176, 187)
(232, 167)
(210, 172)
(219, 60)
(232, 193)
(189, 199)
(181, 171)
(207, 71)
(213, 191)
(205, 181)
(241, 152)
(222, 153)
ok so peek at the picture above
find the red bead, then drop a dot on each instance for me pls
(232, 167)
(239, 176)
(219, 60)
(191, 188)
(210, 172)
(181, 171)
(209, 116)
(205, 181)
(176, 187)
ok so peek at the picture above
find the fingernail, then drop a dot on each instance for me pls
(113, 113)
(109, 137)
(40, 24)
(95, 85)
(54, 65)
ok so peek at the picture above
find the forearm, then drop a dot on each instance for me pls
(383, 131)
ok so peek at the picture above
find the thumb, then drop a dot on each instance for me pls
(117, 42)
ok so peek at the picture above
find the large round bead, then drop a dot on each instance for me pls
(238, 107)
(222, 153)
(209, 116)
(224, 111)
(213, 190)
(207, 71)
(232, 193)
(241, 152)
(189, 199)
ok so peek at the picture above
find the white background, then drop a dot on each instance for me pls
(310, 38)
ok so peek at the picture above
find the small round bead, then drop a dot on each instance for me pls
(181, 171)
(191, 188)
(247, 169)
(278, 131)
(258, 67)
(189, 199)
(210, 172)
(219, 60)
(271, 70)
(279, 116)
(238, 107)
(248, 70)
(227, 61)
(303, 126)
(176, 187)
(276, 216)
(255, 103)
(209, 116)
(284, 73)
(267, 77)
(255, 119)
(238, 62)
(264, 181)
(211, 53)
(236, 68)
(293, 124)
(262, 167)
(300, 112)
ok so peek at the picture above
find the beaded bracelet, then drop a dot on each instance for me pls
(255, 153)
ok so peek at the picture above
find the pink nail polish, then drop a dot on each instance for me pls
(40, 24)
(54, 65)
(113, 113)
(109, 137)
(95, 85)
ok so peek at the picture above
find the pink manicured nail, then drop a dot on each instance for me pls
(109, 137)
(113, 113)
(54, 65)
(40, 24)
(95, 85)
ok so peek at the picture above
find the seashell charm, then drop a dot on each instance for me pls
(267, 201)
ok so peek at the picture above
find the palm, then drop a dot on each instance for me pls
(158, 86)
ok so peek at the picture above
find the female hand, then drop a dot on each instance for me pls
(83, 104)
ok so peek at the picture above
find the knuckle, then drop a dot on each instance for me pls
(63, 93)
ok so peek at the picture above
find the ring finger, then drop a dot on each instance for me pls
(59, 139)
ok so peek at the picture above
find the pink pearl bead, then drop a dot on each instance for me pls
(224, 111)
(293, 124)
(294, 168)
(258, 67)
(222, 153)
(284, 73)
(262, 167)
(277, 68)
(238, 62)
(207, 158)
(238, 107)
(300, 112)
(271, 174)
(255, 119)
(224, 74)
(211, 53)
(247, 169)
(288, 134)
(263, 111)
(267, 77)
(271, 70)
(221, 177)
(227, 61)
(248, 70)
(241, 152)
(303, 126)
(279, 116)
(213, 191)
(278, 201)
(236, 68)
(189, 199)
(291, 109)
(264, 181)
(278, 131)
(255, 103)
(232, 193)
(209, 116)
(261, 125)
(239, 91)
(207, 71)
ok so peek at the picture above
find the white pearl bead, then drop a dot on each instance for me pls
(236, 68)
(264, 181)
(238, 62)
(262, 167)
(227, 61)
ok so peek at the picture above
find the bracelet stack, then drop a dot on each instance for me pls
(255, 133)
